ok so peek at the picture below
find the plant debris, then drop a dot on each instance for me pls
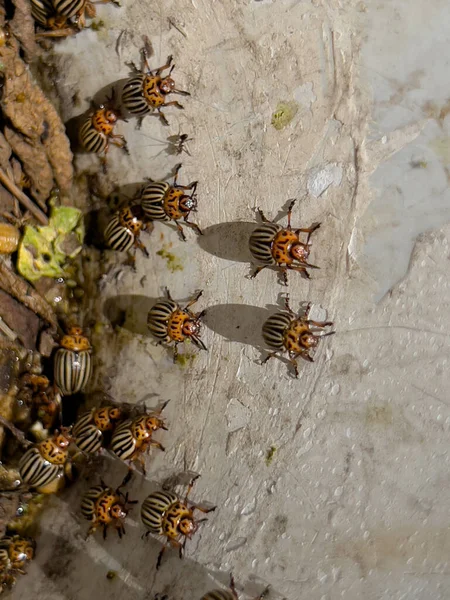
(45, 251)
(270, 455)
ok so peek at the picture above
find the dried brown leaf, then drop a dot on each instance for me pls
(22, 27)
(35, 131)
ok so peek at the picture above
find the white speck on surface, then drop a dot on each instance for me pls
(321, 178)
(305, 95)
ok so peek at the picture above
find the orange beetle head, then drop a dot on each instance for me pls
(191, 327)
(300, 252)
(167, 85)
(188, 203)
(75, 331)
(118, 511)
(114, 414)
(187, 526)
(152, 423)
(309, 340)
(62, 438)
(111, 115)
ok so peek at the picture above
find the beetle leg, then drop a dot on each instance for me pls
(194, 226)
(198, 342)
(194, 299)
(285, 276)
(140, 245)
(91, 529)
(157, 445)
(308, 230)
(160, 555)
(268, 357)
(263, 594)
(175, 352)
(263, 217)
(289, 214)
(306, 356)
(132, 66)
(174, 103)
(125, 480)
(141, 461)
(120, 142)
(180, 231)
(287, 306)
(322, 324)
(256, 271)
(159, 70)
(181, 92)
(162, 116)
(192, 186)
(205, 510)
(301, 270)
(307, 265)
(190, 486)
(65, 32)
(293, 361)
(233, 587)
(105, 527)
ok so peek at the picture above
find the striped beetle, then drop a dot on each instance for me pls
(230, 594)
(45, 465)
(97, 132)
(73, 362)
(168, 322)
(291, 333)
(133, 437)
(123, 230)
(275, 246)
(63, 17)
(15, 552)
(89, 431)
(104, 506)
(166, 514)
(161, 201)
(147, 90)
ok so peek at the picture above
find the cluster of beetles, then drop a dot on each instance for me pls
(128, 432)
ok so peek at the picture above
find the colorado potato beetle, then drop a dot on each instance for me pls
(147, 90)
(291, 333)
(275, 246)
(73, 362)
(90, 429)
(97, 132)
(15, 552)
(161, 201)
(168, 322)
(134, 437)
(104, 507)
(164, 513)
(63, 17)
(230, 594)
(123, 231)
(44, 465)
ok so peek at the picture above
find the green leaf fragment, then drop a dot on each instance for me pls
(45, 251)
(284, 114)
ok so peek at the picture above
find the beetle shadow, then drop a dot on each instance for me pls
(228, 240)
(239, 322)
(130, 312)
